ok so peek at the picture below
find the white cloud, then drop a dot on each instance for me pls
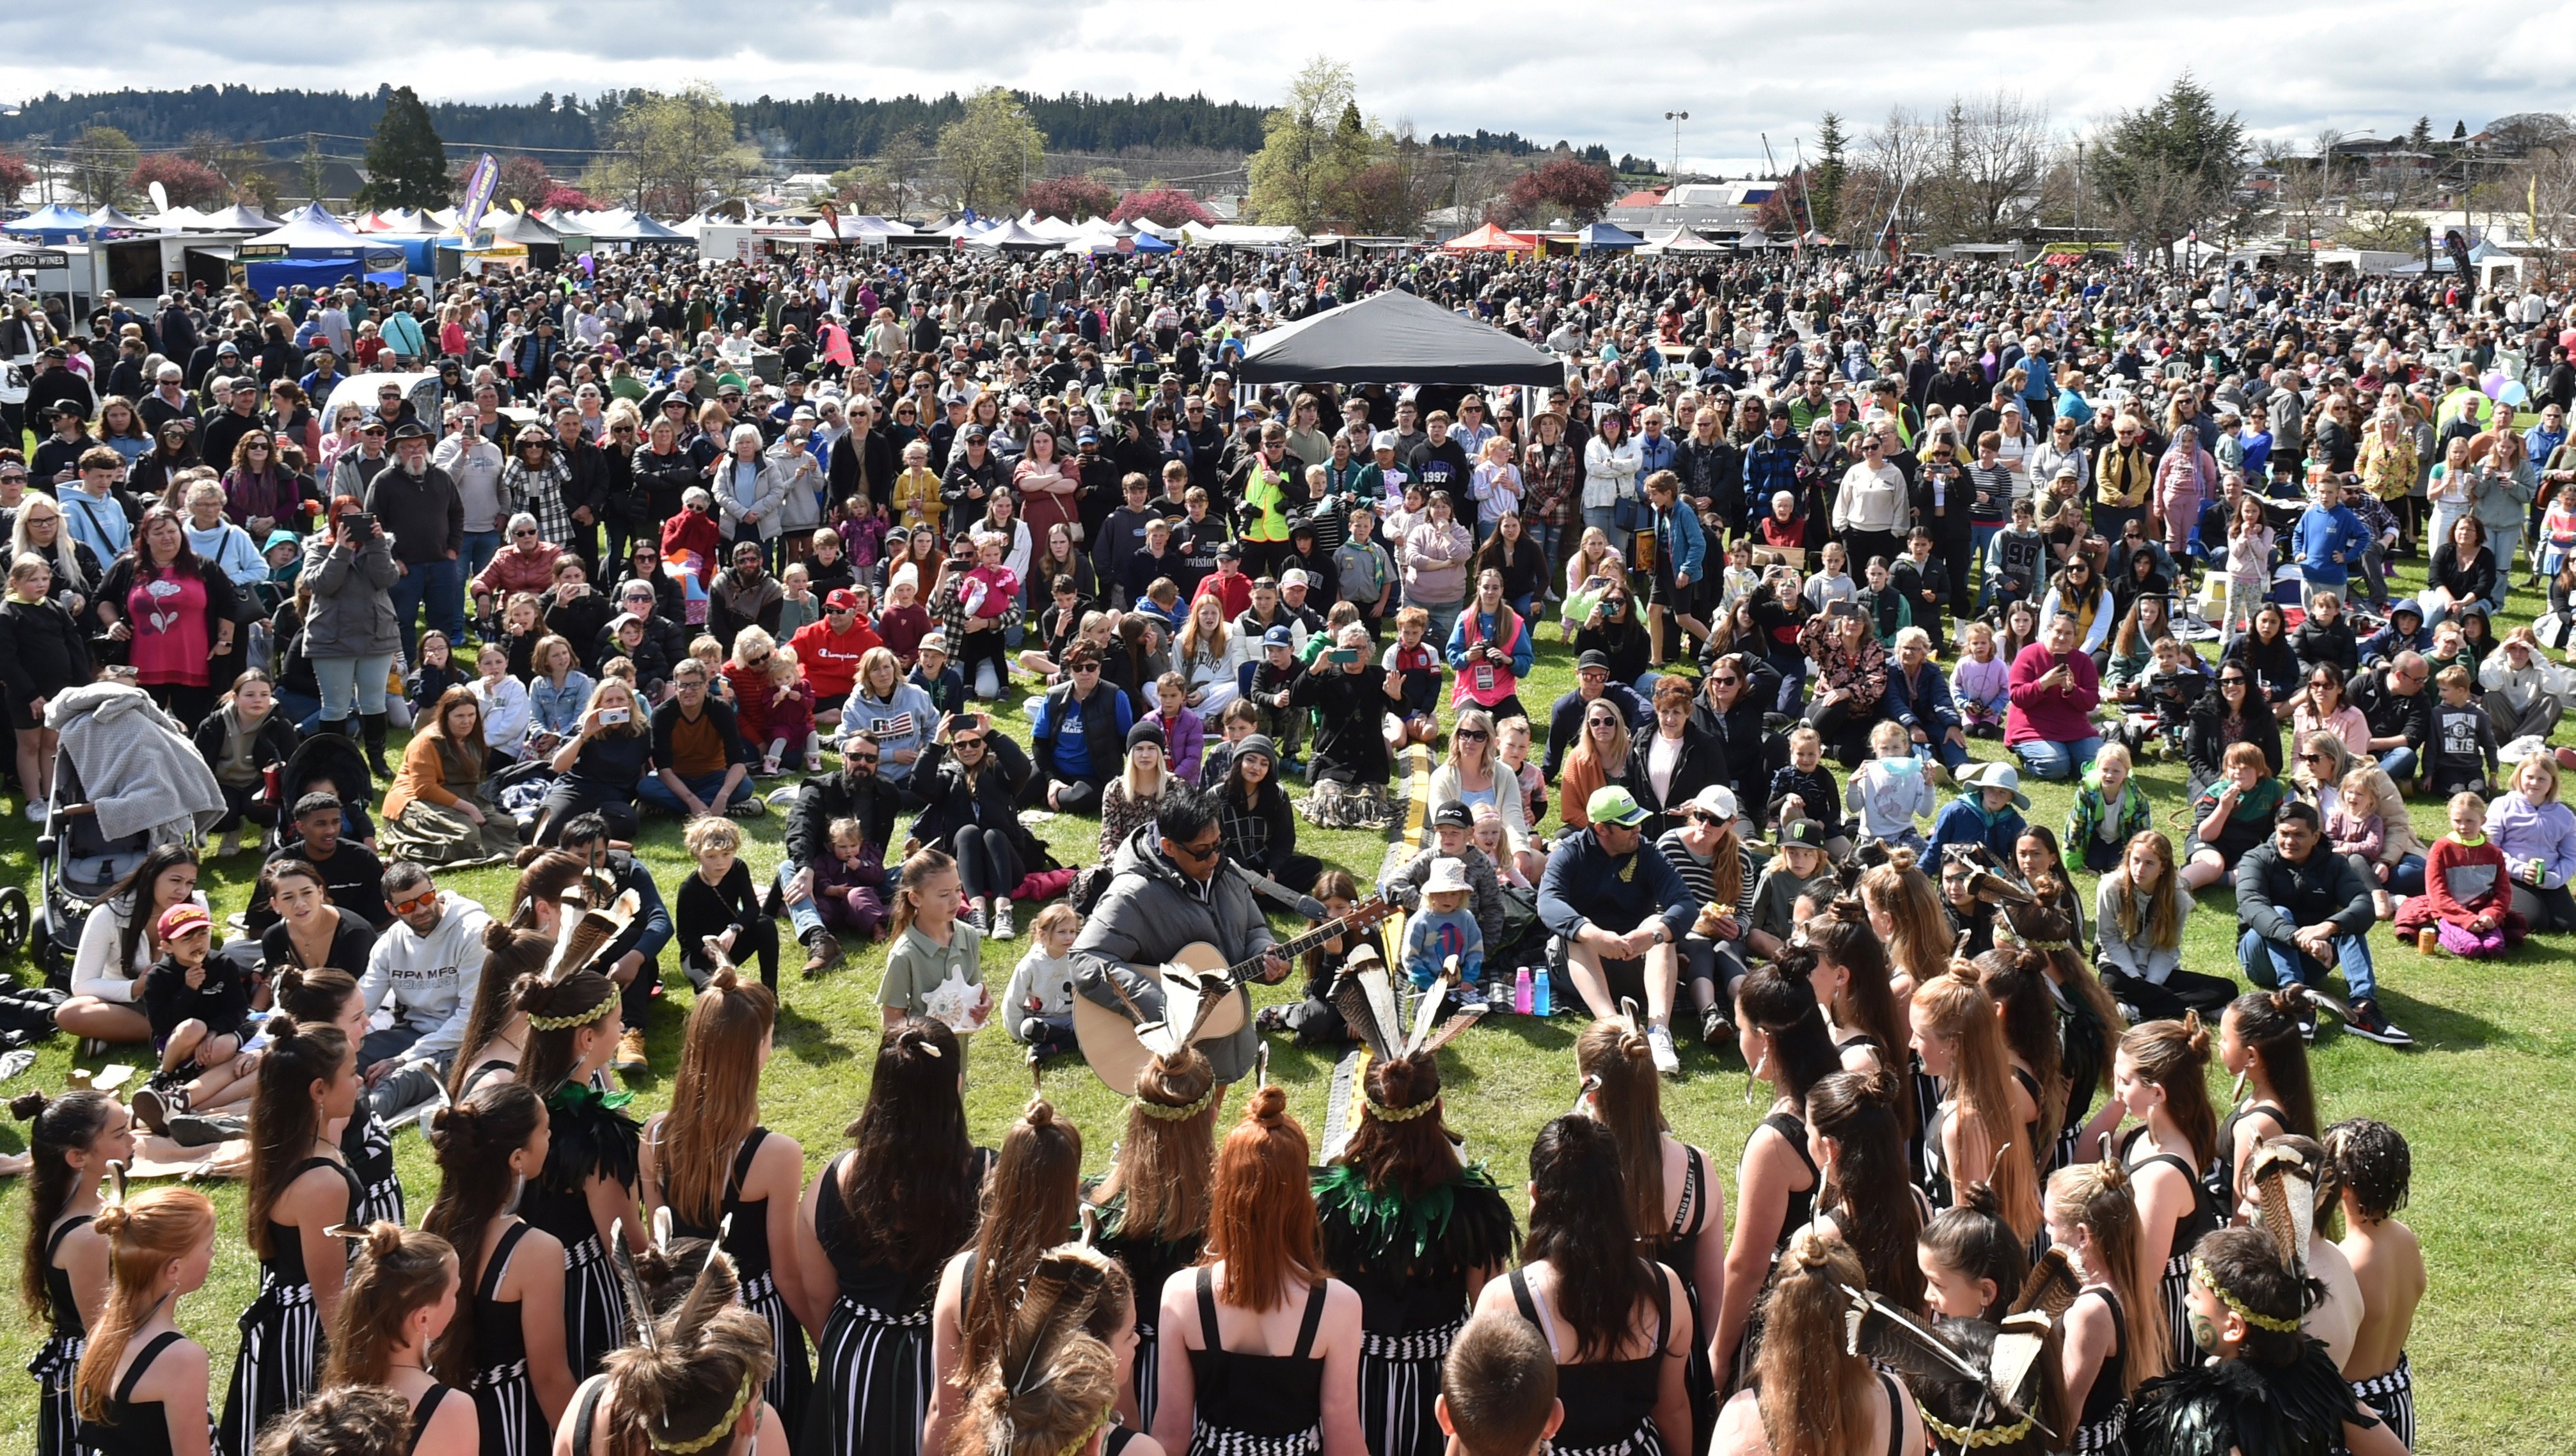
(1596, 74)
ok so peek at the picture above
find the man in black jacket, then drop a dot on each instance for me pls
(55, 386)
(418, 505)
(857, 792)
(2399, 710)
(2299, 902)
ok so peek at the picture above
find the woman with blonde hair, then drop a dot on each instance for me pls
(1811, 1394)
(1261, 1285)
(1598, 758)
(726, 1178)
(1207, 651)
(2112, 1338)
(1154, 1202)
(1472, 773)
(1983, 1130)
(143, 1384)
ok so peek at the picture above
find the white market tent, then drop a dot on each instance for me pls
(1012, 235)
(1678, 240)
(112, 218)
(1240, 235)
(238, 218)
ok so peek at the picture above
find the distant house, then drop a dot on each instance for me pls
(1722, 212)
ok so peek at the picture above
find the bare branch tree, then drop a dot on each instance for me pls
(1995, 148)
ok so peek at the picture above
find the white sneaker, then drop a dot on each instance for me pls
(1659, 1041)
(1003, 929)
(35, 811)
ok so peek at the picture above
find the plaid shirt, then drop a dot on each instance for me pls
(1550, 476)
(541, 494)
(950, 612)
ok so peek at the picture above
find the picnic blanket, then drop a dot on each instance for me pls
(136, 764)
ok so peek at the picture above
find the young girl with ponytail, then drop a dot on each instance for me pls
(63, 1261)
(1865, 1195)
(401, 1298)
(1982, 1130)
(875, 1227)
(301, 1191)
(327, 997)
(1850, 977)
(588, 1184)
(2113, 1335)
(1416, 1232)
(1809, 1394)
(1975, 1265)
(2160, 1077)
(1029, 1202)
(2259, 1041)
(1261, 1287)
(711, 1163)
(496, 1029)
(1678, 1208)
(1782, 1035)
(1153, 1202)
(506, 1343)
(143, 1385)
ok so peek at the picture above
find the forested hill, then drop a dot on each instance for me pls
(820, 127)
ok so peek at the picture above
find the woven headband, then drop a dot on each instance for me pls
(2244, 1311)
(578, 1018)
(1384, 1113)
(722, 1428)
(1165, 1112)
(1089, 1431)
(1973, 1436)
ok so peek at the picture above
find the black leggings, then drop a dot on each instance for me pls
(573, 795)
(1077, 796)
(759, 938)
(986, 864)
(1844, 726)
(2182, 991)
(241, 805)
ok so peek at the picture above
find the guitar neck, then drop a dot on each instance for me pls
(1297, 947)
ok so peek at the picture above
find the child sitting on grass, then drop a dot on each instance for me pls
(1444, 929)
(1987, 811)
(1892, 791)
(1804, 789)
(197, 1005)
(2467, 904)
(1982, 682)
(1800, 868)
(1040, 996)
(2462, 750)
(2109, 811)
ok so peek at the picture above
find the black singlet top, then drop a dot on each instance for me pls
(2110, 1383)
(134, 1428)
(2203, 1219)
(1802, 1201)
(1606, 1401)
(1270, 1396)
(285, 1261)
(748, 1241)
(421, 1413)
(499, 1339)
(58, 1283)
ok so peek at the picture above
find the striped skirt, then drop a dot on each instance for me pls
(279, 1363)
(791, 1379)
(1207, 1440)
(382, 1197)
(594, 1307)
(2108, 1436)
(2182, 1353)
(1399, 1381)
(2393, 1396)
(505, 1402)
(56, 1368)
(1646, 1440)
(1148, 1372)
(872, 1378)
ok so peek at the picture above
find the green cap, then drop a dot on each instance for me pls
(1612, 804)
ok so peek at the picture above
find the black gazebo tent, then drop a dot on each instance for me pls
(1395, 338)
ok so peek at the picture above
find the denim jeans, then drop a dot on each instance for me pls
(479, 549)
(651, 790)
(352, 685)
(2268, 963)
(1603, 516)
(435, 589)
(2043, 759)
(410, 1083)
(2399, 763)
(1547, 536)
(801, 913)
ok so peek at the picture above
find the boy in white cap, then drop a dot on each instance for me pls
(1443, 928)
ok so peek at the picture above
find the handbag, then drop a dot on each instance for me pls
(1629, 513)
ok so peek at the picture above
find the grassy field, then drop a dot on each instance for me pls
(2486, 1101)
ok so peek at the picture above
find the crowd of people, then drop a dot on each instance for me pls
(653, 539)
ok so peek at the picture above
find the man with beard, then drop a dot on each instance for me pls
(857, 793)
(419, 507)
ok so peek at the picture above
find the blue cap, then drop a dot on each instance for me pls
(1279, 637)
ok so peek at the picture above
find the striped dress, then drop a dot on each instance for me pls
(280, 1359)
(872, 1368)
(791, 1379)
(57, 1362)
(590, 1138)
(1408, 1259)
(2204, 1219)
(505, 1398)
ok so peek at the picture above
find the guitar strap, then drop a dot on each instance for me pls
(1285, 898)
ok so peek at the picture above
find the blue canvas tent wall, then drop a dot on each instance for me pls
(53, 224)
(1395, 338)
(317, 249)
(1602, 237)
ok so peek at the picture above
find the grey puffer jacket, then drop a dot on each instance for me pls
(1149, 912)
(353, 605)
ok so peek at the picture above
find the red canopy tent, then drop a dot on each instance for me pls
(1491, 239)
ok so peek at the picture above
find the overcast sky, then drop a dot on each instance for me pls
(1741, 69)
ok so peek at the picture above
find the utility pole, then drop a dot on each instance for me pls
(1677, 118)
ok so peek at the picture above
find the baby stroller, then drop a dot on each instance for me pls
(325, 758)
(159, 789)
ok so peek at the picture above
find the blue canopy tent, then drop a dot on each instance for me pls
(53, 223)
(1605, 237)
(318, 250)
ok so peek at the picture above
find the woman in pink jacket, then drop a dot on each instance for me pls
(2055, 689)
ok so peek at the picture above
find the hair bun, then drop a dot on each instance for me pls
(497, 935)
(2196, 1035)
(1268, 1107)
(384, 1239)
(726, 979)
(27, 1105)
(111, 1221)
(1040, 1113)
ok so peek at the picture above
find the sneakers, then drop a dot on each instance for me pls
(1659, 1040)
(36, 811)
(2308, 1023)
(2368, 1022)
(229, 845)
(1714, 1029)
(631, 1056)
(1270, 1020)
(1469, 1001)
(152, 1109)
(1003, 929)
(975, 917)
(822, 953)
(749, 806)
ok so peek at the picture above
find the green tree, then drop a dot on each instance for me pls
(2165, 169)
(406, 163)
(674, 151)
(101, 161)
(311, 167)
(1832, 169)
(990, 152)
(2420, 137)
(1312, 151)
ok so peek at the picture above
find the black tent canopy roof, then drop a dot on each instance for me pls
(1395, 338)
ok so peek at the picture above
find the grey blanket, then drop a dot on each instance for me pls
(136, 764)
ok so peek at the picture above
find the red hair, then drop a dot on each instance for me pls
(1261, 1221)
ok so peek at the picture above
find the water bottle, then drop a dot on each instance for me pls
(1542, 996)
(1521, 991)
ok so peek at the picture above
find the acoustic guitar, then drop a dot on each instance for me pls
(1199, 1001)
